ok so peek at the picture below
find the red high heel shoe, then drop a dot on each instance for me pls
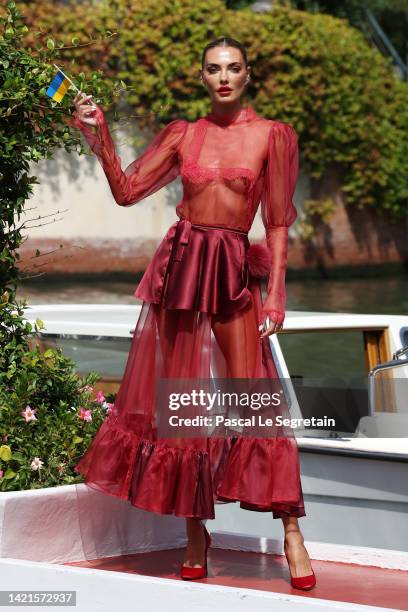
(193, 573)
(305, 583)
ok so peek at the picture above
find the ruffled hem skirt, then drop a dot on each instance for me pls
(199, 321)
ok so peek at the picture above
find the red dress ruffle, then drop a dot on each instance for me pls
(262, 474)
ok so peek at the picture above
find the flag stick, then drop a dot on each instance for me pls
(72, 83)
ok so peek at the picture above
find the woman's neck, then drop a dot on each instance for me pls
(224, 110)
(237, 115)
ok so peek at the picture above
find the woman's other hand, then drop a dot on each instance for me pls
(87, 113)
(270, 326)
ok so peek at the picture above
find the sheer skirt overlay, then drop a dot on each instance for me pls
(187, 475)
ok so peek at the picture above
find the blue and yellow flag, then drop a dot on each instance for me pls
(58, 87)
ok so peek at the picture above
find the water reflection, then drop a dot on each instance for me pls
(385, 295)
(71, 291)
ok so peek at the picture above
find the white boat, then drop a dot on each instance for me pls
(354, 479)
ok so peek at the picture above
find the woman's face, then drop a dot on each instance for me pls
(224, 67)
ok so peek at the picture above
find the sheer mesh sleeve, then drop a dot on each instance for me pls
(278, 211)
(157, 166)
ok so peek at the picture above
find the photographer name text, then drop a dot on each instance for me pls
(254, 420)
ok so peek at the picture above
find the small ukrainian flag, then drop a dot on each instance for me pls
(59, 86)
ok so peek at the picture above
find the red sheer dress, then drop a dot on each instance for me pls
(200, 315)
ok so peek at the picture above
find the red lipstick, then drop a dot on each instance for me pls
(224, 91)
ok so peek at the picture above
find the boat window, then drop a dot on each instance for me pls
(102, 354)
(329, 371)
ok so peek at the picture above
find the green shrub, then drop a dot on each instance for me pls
(47, 412)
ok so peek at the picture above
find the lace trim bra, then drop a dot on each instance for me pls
(196, 173)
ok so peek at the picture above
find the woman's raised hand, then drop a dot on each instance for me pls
(87, 113)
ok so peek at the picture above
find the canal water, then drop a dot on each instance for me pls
(381, 295)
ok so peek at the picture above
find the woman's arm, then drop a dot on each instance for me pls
(157, 166)
(278, 211)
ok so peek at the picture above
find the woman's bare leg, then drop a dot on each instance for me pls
(238, 339)
(194, 555)
(295, 550)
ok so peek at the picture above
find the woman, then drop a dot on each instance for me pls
(202, 313)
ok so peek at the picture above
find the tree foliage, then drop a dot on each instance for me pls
(391, 14)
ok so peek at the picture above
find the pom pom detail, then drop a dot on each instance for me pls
(259, 260)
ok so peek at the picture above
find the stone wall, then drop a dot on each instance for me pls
(98, 236)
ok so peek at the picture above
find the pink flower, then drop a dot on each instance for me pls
(100, 398)
(1, 473)
(86, 389)
(61, 467)
(36, 463)
(85, 415)
(111, 409)
(28, 413)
